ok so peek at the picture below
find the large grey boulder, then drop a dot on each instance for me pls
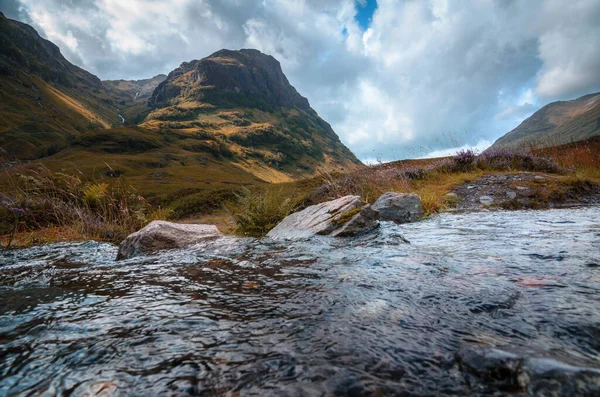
(161, 235)
(399, 207)
(342, 217)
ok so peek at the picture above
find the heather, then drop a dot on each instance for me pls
(37, 198)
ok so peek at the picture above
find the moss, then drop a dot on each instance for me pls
(345, 217)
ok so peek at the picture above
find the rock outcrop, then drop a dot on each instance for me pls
(161, 235)
(343, 217)
(399, 207)
(528, 371)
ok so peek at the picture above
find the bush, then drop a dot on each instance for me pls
(256, 213)
(464, 161)
(505, 160)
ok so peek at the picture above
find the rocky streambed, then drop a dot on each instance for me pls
(484, 303)
(524, 190)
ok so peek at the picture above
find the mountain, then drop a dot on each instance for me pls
(242, 101)
(226, 120)
(134, 95)
(557, 123)
(45, 101)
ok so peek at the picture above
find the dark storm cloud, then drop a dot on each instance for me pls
(423, 76)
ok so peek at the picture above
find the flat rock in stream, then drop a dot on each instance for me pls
(342, 217)
(161, 235)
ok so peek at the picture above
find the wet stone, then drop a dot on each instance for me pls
(511, 194)
(399, 208)
(486, 200)
(519, 370)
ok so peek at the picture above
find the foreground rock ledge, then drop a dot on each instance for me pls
(161, 235)
(344, 217)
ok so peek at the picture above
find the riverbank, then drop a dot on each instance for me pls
(41, 207)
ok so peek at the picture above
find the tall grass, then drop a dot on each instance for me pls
(258, 212)
(37, 198)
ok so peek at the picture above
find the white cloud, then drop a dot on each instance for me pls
(479, 147)
(423, 68)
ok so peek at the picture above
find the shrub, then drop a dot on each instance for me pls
(464, 161)
(505, 160)
(258, 212)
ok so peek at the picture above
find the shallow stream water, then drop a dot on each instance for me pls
(373, 315)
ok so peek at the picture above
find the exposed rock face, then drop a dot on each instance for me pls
(161, 235)
(399, 207)
(232, 75)
(365, 221)
(342, 217)
(525, 370)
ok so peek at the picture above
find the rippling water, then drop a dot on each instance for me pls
(366, 316)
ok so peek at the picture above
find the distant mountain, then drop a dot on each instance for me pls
(555, 124)
(232, 118)
(45, 101)
(134, 95)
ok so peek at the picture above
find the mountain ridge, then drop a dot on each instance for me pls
(229, 118)
(557, 123)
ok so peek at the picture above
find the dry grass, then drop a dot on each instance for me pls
(64, 206)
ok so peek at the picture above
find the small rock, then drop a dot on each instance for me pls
(399, 208)
(486, 200)
(471, 187)
(451, 195)
(511, 195)
(161, 235)
(539, 178)
(521, 188)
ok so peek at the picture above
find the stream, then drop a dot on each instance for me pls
(372, 315)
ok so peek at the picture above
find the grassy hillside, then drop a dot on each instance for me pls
(555, 124)
(45, 101)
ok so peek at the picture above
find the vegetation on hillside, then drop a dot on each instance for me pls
(39, 205)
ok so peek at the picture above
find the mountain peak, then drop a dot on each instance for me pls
(229, 77)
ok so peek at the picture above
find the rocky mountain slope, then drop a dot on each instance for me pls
(232, 118)
(557, 123)
(242, 103)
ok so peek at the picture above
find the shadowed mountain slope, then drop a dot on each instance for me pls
(45, 101)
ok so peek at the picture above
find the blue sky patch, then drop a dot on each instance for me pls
(365, 10)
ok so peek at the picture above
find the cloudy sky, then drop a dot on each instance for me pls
(395, 78)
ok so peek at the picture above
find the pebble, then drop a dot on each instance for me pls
(511, 195)
(486, 200)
